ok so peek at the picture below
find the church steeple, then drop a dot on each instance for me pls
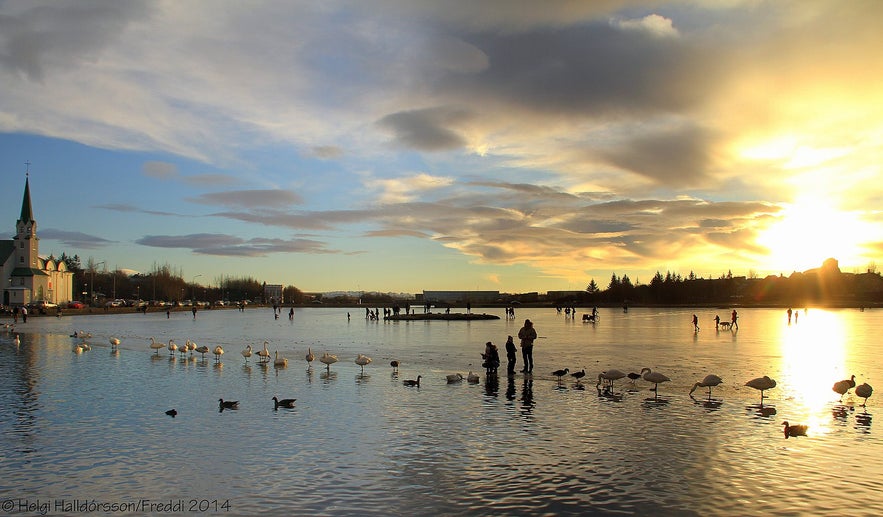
(27, 214)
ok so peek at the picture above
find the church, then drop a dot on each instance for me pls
(27, 277)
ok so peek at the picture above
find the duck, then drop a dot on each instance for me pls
(363, 360)
(114, 343)
(454, 377)
(843, 387)
(246, 353)
(218, 351)
(794, 430)
(202, 350)
(709, 381)
(864, 390)
(654, 377)
(560, 373)
(172, 346)
(761, 384)
(156, 345)
(284, 403)
(172, 413)
(412, 382)
(472, 378)
(579, 375)
(328, 359)
(310, 357)
(279, 361)
(395, 366)
(228, 404)
(264, 355)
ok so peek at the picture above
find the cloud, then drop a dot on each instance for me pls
(399, 190)
(228, 245)
(75, 239)
(653, 24)
(254, 199)
(431, 129)
(160, 170)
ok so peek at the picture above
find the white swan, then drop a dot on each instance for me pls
(173, 347)
(78, 349)
(246, 353)
(654, 377)
(114, 343)
(218, 351)
(709, 382)
(310, 357)
(363, 360)
(184, 348)
(156, 345)
(608, 376)
(761, 384)
(202, 350)
(328, 359)
(279, 361)
(264, 355)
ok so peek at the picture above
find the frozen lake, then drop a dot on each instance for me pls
(92, 427)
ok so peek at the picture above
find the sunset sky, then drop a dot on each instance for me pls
(402, 145)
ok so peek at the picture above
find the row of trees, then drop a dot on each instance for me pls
(163, 282)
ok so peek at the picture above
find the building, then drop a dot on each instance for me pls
(273, 293)
(27, 277)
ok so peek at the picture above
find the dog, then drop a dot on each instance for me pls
(726, 325)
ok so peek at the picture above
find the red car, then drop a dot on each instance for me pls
(75, 305)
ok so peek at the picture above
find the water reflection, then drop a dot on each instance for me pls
(709, 403)
(761, 410)
(813, 358)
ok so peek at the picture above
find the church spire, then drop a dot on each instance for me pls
(27, 214)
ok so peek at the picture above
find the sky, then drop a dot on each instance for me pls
(403, 145)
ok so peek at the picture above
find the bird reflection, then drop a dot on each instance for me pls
(863, 422)
(606, 392)
(840, 412)
(654, 402)
(708, 403)
(362, 378)
(761, 410)
(328, 376)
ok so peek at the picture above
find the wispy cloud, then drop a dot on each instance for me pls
(229, 245)
(75, 239)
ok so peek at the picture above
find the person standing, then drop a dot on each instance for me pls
(695, 323)
(733, 320)
(527, 335)
(24, 314)
(510, 355)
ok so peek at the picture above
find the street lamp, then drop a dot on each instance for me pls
(92, 279)
(193, 287)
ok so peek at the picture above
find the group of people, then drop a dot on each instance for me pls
(491, 356)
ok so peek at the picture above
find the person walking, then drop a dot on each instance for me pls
(510, 355)
(734, 317)
(527, 335)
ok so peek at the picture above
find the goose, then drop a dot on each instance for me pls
(654, 377)
(579, 375)
(218, 351)
(328, 360)
(560, 373)
(609, 376)
(279, 361)
(228, 404)
(864, 391)
(156, 345)
(395, 366)
(454, 377)
(172, 346)
(285, 403)
(472, 378)
(762, 384)
(310, 357)
(709, 381)
(264, 354)
(794, 430)
(202, 350)
(843, 387)
(114, 343)
(412, 382)
(246, 353)
(172, 413)
(363, 360)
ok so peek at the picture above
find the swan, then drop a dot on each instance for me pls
(191, 345)
(184, 349)
(794, 430)
(864, 391)
(328, 360)
(762, 384)
(454, 377)
(78, 349)
(472, 378)
(654, 377)
(246, 353)
(363, 360)
(843, 387)
(173, 347)
(85, 346)
(395, 366)
(264, 354)
(709, 381)
(202, 350)
(228, 404)
(156, 345)
(218, 351)
(114, 343)
(285, 403)
(560, 373)
(310, 357)
(412, 382)
(280, 361)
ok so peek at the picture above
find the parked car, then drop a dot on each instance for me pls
(42, 306)
(115, 303)
(75, 305)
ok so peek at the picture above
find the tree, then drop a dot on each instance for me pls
(593, 287)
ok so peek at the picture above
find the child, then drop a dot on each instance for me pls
(491, 357)
(510, 355)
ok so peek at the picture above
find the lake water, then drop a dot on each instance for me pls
(91, 428)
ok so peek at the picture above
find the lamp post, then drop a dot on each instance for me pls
(92, 280)
(193, 287)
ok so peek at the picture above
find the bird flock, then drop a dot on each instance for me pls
(605, 379)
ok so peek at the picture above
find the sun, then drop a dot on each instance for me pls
(810, 231)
